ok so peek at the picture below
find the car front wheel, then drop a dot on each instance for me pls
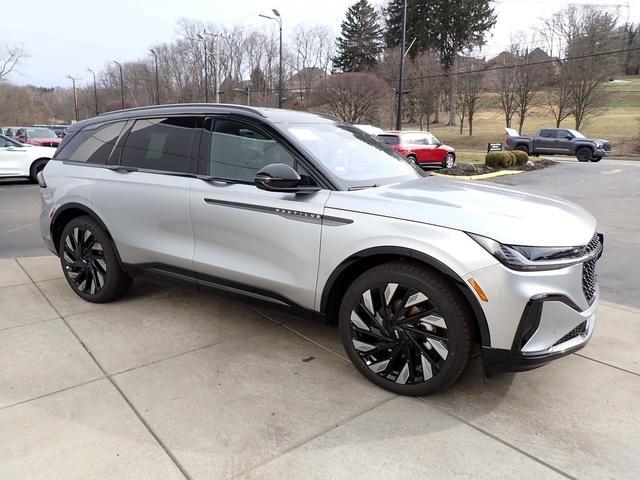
(406, 328)
(449, 160)
(584, 154)
(90, 262)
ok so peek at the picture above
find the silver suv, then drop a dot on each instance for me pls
(304, 212)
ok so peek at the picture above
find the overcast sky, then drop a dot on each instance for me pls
(64, 38)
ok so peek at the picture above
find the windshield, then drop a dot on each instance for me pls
(41, 133)
(576, 134)
(354, 157)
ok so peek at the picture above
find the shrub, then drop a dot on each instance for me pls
(521, 157)
(500, 159)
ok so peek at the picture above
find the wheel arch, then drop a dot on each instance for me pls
(358, 263)
(35, 160)
(68, 212)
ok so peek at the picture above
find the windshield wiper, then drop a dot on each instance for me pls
(361, 187)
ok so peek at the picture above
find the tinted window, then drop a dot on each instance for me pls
(239, 151)
(564, 134)
(389, 139)
(548, 133)
(93, 144)
(160, 144)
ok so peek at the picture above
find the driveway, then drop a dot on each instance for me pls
(167, 383)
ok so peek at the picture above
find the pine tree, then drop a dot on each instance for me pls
(360, 43)
(443, 26)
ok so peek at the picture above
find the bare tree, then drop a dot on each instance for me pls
(10, 57)
(528, 79)
(506, 85)
(558, 94)
(471, 86)
(353, 97)
(311, 56)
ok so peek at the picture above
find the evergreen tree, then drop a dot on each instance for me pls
(444, 26)
(360, 43)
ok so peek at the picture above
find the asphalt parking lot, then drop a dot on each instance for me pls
(167, 383)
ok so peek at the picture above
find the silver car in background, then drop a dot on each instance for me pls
(303, 212)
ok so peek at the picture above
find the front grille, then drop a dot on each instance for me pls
(50, 144)
(606, 147)
(579, 330)
(589, 275)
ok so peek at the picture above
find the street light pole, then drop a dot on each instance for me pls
(75, 96)
(121, 84)
(278, 18)
(95, 90)
(401, 80)
(206, 69)
(155, 57)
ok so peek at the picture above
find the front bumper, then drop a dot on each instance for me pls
(601, 152)
(544, 316)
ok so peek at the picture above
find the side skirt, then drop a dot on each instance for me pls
(178, 277)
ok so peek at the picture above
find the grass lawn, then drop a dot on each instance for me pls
(617, 121)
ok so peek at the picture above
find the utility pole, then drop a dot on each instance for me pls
(206, 67)
(216, 58)
(155, 57)
(75, 96)
(401, 79)
(121, 84)
(278, 19)
(95, 90)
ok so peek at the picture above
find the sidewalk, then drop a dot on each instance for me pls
(167, 383)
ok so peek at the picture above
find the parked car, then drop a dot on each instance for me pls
(558, 141)
(42, 137)
(9, 131)
(59, 130)
(307, 213)
(422, 148)
(18, 160)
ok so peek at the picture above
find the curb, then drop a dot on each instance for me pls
(482, 176)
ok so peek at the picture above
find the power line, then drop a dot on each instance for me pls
(530, 64)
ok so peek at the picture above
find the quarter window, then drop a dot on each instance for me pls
(239, 151)
(160, 144)
(93, 144)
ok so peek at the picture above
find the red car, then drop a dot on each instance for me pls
(42, 137)
(420, 147)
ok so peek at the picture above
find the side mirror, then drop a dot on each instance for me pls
(568, 137)
(280, 177)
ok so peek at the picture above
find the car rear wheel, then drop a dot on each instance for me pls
(584, 154)
(406, 329)
(449, 160)
(412, 158)
(90, 262)
(36, 168)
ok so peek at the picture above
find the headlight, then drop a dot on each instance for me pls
(599, 145)
(525, 258)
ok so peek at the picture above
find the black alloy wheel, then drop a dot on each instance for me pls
(410, 334)
(584, 154)
(90, 262)
(83, 260)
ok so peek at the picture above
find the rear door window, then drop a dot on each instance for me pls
(548, 133)
(389, 139)
(162, 144)
(93, 144)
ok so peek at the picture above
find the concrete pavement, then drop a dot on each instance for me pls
(167, 383)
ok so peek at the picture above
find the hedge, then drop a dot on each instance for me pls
(521, 157)
(500, 159)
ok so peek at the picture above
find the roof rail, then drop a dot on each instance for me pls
(328, 116)
(179, 105)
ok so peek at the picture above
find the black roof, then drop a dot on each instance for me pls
(273, 115)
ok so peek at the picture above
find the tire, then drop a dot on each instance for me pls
(523, 148)
(449, 161)
(584, 154)
(596, 159)
(414, 350)
(95, 274)
(412, 158)
(36, 167)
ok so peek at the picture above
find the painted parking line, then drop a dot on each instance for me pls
(618, 170)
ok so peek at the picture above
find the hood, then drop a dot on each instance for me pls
(45, 139)
(506, 215)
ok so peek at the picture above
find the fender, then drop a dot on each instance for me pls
(481, 319)
(63, 212)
